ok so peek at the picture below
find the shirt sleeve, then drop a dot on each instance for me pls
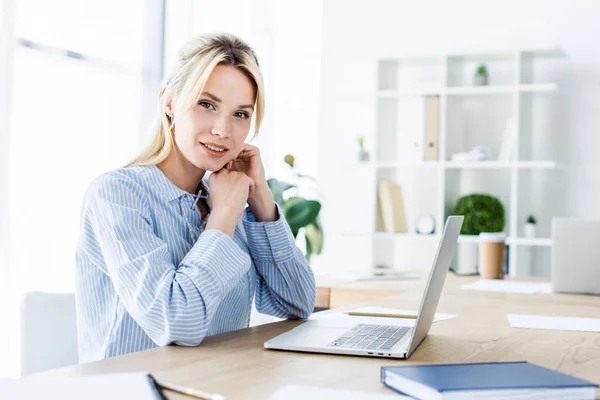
(286, 284)
(172, 303)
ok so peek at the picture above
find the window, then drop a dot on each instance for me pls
(84, 91)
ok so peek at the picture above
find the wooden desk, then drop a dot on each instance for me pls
(236, 365)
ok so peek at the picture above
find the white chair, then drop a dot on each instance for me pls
(48, 331)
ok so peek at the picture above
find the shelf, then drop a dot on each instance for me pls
(397, 94)
(538, 87)
(399, 125)
(407, 236)
(479, 56)
(469, 90)
(401, 235)
(416, 164)
(522, 241)
(518, 241)
(501, 89)
(478, 164)
(550, 52)
(465, 164)
(479, 90)
(500, 164)
(539, 165)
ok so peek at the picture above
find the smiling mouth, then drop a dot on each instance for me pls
(214, 150)
(213, 147)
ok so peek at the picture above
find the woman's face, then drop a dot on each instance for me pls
(213, 131)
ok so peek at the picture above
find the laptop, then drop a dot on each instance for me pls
(575, 255)
(359, 336)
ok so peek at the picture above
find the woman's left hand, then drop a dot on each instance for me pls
(260, 198)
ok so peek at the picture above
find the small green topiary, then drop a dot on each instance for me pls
(483, 213)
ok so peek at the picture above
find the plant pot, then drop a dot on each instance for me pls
(465, 260)
(529, 230)
(480, 80)
(363, 156)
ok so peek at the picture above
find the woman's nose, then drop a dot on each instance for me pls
(220, 127)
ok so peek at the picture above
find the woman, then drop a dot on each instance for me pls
(160, 261)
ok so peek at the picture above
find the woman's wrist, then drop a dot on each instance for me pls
(262, 204)
(223, 219)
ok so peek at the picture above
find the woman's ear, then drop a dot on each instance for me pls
(168, 103)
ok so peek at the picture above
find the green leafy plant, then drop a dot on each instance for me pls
(361, 143)
(531, 220)
(482, 70)
(300, 213)
(482, 212)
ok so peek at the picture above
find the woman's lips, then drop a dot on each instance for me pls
(214, 153)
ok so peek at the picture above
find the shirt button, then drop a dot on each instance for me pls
(280, 253)
(272, 231)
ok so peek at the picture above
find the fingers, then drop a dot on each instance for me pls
(248, 151)
(251, 188)
(233, 175)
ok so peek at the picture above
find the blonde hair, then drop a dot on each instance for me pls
(195, 62)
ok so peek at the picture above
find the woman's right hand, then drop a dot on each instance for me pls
(229, 191)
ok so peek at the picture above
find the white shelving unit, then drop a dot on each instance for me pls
(521, 86)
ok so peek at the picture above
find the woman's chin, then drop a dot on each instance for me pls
(209, 165)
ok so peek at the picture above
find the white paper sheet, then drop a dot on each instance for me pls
(554, 323)
(438, 316)
(335, 318)
(505, 286)
(298, 392)
(130, 385)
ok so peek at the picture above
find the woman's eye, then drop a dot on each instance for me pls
(240, 114)
(206, 105)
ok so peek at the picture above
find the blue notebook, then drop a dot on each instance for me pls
(494, 380)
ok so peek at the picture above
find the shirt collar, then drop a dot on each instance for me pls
(167, 189)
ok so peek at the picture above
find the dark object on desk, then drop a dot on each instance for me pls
(492, 380)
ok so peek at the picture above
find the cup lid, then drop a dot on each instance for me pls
(491, 237)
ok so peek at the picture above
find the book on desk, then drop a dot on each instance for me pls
(502, 380)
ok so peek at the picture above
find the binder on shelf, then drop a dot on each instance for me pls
(391, 206)
(411, 125)
(432, 129)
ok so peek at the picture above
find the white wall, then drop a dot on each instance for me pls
(289, 58)
(354, 29)
(7, 14)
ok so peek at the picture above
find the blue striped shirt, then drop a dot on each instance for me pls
(149, 275)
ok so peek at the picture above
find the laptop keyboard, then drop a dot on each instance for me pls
(370, 337)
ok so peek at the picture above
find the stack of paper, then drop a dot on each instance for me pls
(554, 323)
(505, 286)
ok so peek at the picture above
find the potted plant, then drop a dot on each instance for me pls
(483, 213)
(481, 76)
(302, 215)
(363, 155)
(530, 224)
